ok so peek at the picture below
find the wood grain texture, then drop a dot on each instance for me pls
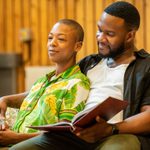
(41, 15)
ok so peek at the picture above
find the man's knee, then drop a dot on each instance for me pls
(4, 148)
(41, 142)
(120, 142)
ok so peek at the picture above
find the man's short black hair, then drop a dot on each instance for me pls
(74, 24)
(125, 11)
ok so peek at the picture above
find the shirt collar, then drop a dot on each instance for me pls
(66, 74)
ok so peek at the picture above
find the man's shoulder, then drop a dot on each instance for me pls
(143, 57)
(89, 62)
(142, 62)
(94, 57)
(143, 54)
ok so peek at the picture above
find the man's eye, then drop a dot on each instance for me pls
(110, 34)
(98, 32)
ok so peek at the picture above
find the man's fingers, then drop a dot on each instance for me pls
(99, 119)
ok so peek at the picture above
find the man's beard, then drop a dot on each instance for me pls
(114, 53)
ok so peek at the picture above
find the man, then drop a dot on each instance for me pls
(56, 97)
(119, 70)
(123, 73)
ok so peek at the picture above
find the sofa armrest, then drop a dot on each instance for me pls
(11, 115)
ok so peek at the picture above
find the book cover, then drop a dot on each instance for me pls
(106, 110)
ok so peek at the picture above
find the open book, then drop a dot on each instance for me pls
(106, 110)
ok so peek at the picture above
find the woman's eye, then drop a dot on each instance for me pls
(61, 39)
(50, 38)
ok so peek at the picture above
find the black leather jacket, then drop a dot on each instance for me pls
(136, 84)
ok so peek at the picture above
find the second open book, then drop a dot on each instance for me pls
(106, 110)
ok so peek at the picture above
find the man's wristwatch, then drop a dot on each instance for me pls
(115, 129)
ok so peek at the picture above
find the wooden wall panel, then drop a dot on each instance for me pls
(26, 23)
(80, 14)
(44, 32)
(70, 9)
(41, 15)
(140, 36)
(2, 26)
(35, 26)
(97, 13)
(61, 8)
(9, 25)
(108, 2)
(17, 21)
(89, 24)
(52, 15)
(147, 25)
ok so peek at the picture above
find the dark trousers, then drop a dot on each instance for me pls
(55, 141)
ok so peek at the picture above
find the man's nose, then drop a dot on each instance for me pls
(101, 37)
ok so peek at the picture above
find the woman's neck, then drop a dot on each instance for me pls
(63, 67)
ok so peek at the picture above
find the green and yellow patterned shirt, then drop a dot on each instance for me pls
(53, 99)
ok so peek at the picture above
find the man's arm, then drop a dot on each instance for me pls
(137, 124)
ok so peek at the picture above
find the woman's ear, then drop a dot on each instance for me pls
(78, 46)
(130, 36)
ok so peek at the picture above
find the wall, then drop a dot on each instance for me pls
(40, 15)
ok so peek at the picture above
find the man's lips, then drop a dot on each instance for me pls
(102, 46)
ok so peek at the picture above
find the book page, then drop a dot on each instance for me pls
(60, 126)
(81, 114)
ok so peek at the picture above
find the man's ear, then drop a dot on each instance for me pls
(78, 46)
(130, 36)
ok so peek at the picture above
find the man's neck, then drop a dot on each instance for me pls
(124, 58)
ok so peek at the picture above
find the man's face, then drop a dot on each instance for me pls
(61, 44)
(111, 36)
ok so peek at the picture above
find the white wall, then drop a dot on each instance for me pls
(32, 73)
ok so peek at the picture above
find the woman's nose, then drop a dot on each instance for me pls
(52, 42)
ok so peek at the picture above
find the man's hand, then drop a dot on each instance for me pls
(96, 132)
(8, 137)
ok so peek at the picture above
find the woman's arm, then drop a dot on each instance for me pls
(8, 137)
(13, 101)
